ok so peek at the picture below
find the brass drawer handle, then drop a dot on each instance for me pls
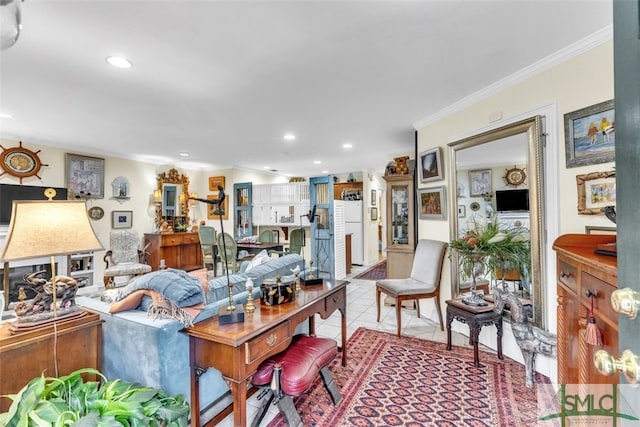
(272, 340)
(565, 275)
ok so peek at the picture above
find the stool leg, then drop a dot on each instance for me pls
(288, 409)
(331, 385)
(263, 409)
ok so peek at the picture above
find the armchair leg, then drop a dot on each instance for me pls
(437, 301)
(378, 295)
(399, 314)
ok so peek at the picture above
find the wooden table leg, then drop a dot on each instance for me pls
(474, 332)
(195, 386)
(499, 328)
(239, 393)
(343, 312)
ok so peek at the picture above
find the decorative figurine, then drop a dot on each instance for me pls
(250, 307)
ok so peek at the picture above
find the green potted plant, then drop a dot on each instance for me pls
(489, 247)
(69, 400)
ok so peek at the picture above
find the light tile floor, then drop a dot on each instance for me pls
(361, 312)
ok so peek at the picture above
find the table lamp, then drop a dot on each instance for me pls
(49, 228)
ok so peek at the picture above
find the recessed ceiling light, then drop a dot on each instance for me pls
(289, 137)
(119, 62)
(317, 162)
(183, 154)
(325, 172)
(347, 145)
(5, 116)
(266, 167)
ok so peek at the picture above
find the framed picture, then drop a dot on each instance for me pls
(121, 219)
(589, 135)
(373, 197)
(374, 214)
(431, 165)
(431, 203)
(462, 211)
(215, 181)
(595, 191)
(594, 229)
(85, 176)
(480, 182)
(212, 208)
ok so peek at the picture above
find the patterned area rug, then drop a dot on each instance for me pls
(406, 381)
(378, 271)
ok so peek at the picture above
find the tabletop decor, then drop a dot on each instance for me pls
(488, 247)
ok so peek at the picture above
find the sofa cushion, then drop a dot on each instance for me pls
(175, 285)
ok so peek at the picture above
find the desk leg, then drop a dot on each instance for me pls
(312, 325)
(343, 312)
(239, 393)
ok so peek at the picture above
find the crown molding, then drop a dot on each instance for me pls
(596, 39)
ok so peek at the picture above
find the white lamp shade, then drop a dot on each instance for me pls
(45, 228)
(9, 22)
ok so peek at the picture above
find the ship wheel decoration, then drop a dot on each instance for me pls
(20, 162)
(515, 176)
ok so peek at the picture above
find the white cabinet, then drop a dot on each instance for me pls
(81, 267)
(280, 204)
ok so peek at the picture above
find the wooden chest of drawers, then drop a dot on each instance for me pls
(581, 273)
(178, 250)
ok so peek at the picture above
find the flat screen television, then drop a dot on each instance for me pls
(512, 200)
(10, 192)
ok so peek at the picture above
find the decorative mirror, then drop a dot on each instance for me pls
(513, 199)
(174, 188)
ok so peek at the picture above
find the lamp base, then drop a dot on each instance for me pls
(41, 320)
(226, 316)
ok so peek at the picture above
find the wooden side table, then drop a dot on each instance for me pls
(27, 355)
(476, 318)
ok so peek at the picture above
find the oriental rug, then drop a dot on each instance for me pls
(378, 271)
(407, 381)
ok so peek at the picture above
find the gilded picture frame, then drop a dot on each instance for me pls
(215, 181)
(595, 191)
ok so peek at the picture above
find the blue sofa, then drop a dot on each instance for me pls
(155, 353)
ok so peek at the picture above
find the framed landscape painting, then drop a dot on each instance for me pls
(590, 136)
(431, 165)
(431, 203)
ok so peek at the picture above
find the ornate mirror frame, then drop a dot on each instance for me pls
(174, 177)
(532, 127)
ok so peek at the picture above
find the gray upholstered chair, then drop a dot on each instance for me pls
(207, 236)
(423, 283)
(228, 252)
(125, 258)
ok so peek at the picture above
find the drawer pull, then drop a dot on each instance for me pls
(272, 340)
(565, 275)
(591, 293)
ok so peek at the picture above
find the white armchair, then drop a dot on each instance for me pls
(125, 258)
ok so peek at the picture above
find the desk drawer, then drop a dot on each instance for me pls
(602, 300)
(171, 240)
(269, 343)
(568, 274)
(189, 239)
(335, 301)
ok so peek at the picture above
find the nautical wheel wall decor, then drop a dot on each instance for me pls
(515, 176)
(20, 162)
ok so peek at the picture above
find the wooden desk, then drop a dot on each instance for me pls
(26, 355)
(237, 350)
(254, 248)
(476, 318)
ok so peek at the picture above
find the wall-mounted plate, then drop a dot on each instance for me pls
(96, 213)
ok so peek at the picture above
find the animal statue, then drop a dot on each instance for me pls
(65, 288)
(531, 339)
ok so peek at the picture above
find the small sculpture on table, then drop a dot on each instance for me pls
(250, 307)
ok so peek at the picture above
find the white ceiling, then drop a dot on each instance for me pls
(226, 80)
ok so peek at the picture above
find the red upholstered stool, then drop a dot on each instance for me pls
(291, 373)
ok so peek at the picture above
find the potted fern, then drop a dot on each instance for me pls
(488, 247)
(69, 400)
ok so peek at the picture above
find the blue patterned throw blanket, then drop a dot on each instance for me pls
(164, 293)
